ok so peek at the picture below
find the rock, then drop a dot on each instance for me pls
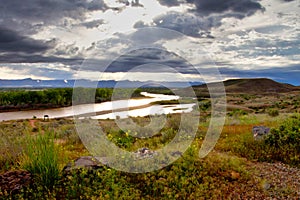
(144, 152)
(13, 181)
(259, 132)
(176, 153)
(88, 162)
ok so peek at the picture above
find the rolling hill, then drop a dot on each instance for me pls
(251, 86)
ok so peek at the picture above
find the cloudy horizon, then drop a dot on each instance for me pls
(167, 40)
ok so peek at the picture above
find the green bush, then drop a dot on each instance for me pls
(273, 112)
(286, 140)
(282, 144)
(204, 105)
(237, 113)
(41, 158)
(121, 139)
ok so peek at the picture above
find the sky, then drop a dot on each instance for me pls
(165, 40)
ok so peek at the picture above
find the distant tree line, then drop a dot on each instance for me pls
(59, 97)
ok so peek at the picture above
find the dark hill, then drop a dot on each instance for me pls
(255, 85)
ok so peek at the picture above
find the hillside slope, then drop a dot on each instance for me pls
(256, 85)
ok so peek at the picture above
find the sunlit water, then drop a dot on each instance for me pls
(108, 107)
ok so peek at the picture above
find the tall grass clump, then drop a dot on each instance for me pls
(10, 150)
(41, 158)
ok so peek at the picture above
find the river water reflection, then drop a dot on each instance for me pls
(121, 108)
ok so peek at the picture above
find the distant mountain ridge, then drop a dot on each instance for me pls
(35, 83)
(253, 85)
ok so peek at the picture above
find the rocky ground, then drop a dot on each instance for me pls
(13, 181)
(279, 181)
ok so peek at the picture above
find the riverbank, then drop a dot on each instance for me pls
(4, 109)
(24, 100)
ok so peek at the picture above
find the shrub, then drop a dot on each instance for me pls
(273, 112)
(286, 140)
(237, 112)
(41, 158)
(204, 105)
(121, 139)
(282, 144)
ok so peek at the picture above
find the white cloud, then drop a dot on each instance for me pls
(264, 40)
(21, 73)
(141, 76)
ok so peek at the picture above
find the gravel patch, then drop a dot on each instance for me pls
(278, 180)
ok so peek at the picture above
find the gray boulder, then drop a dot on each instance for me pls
(143, 153)
(259, 132)
(88, 162)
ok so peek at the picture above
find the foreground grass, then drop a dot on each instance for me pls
(40, 158)
(283, 144)
(223, 174)
(188, 178)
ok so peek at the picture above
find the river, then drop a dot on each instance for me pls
(108, 110)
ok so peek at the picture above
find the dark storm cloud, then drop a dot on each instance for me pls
(11, 41)
(206, 14)
(139, 38)
(133, 3)
(48, 10)
(126, 2)
(144, 46)
(30, 16)
(21, 19)
(205, 7)
(21, 26)
(156, 59)
(37, 58)
(169, 3)
(67, 50)
(187, 24)
(136, 3)
(150, 35)
(15, 48)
